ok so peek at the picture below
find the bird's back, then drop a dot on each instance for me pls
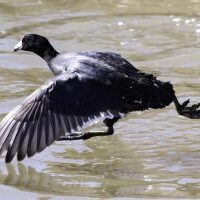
(96, 64)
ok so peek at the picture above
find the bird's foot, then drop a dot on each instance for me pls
(76, 136)
(87, 135)
(84, 136)
(192, 112)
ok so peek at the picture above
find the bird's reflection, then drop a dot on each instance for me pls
(27, 178)
(105, 171)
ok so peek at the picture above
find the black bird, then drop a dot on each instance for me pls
(87, 87)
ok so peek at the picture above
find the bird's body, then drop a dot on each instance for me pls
(109, 69)
(87, 87)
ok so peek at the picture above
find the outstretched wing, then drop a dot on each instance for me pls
(60, 106)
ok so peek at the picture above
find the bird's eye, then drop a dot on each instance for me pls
(25, 40)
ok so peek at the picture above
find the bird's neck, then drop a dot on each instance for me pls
(47, 53)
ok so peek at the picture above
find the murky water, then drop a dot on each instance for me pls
(152, 154)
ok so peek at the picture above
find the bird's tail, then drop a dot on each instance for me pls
(162, 95)
(148, 92)
(145, 92)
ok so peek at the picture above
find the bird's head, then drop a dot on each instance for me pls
(38, 45)
(31, 42)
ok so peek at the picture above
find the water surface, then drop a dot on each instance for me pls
(152, 154)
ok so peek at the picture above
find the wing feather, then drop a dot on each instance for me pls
(22, 149)
(32, 143)
(49, 130)
(64, 104)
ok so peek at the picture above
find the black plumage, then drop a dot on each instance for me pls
(87, 87)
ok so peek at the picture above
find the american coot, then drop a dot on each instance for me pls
(87, 87)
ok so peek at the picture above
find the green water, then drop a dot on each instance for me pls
(152, 154)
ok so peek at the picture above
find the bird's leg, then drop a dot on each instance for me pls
(87, 135)
(192, 112)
